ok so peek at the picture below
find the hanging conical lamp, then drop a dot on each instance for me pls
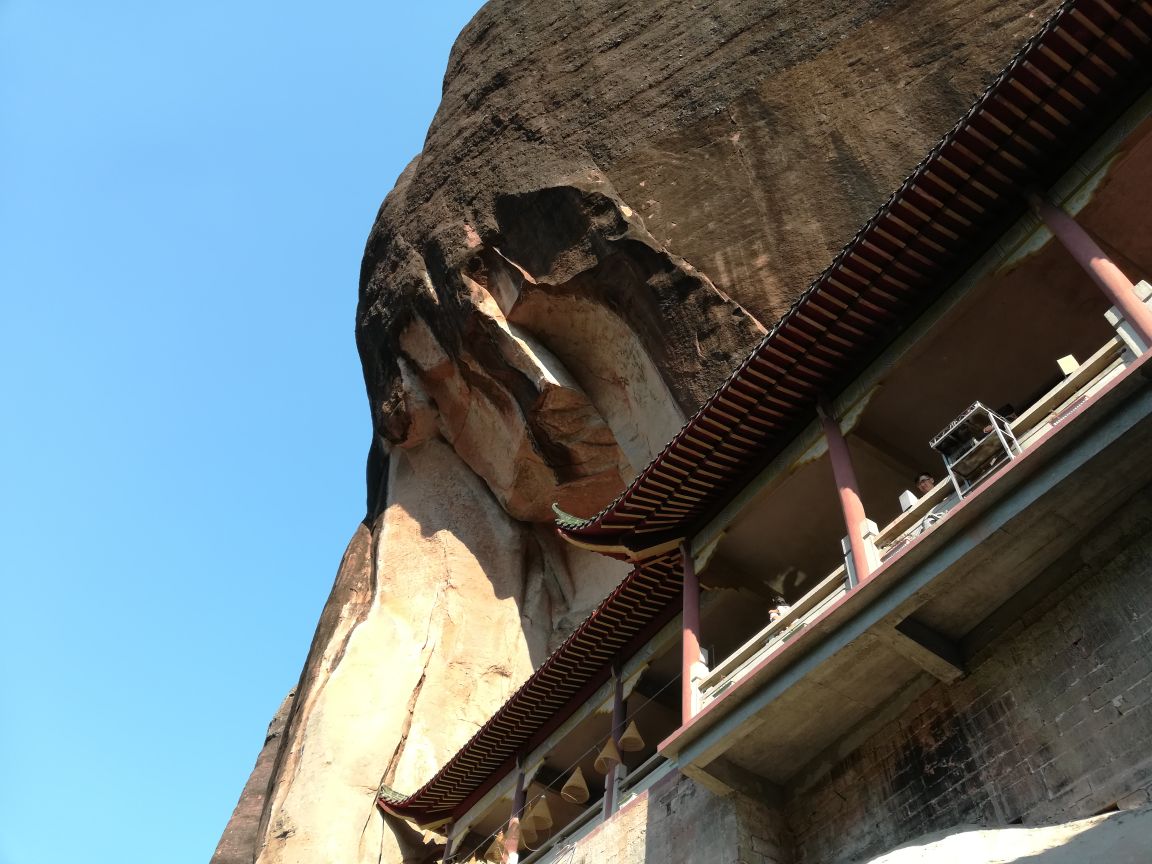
(631, 741)
(540, 815)
(528, 832)
(575, 791)
(609, 756)
(496, 849)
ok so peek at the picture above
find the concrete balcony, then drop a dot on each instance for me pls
(811, 685)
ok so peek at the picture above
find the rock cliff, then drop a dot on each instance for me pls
(613, 201)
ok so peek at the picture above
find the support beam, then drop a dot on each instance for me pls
(448, 829)
(933, 652)
(849, 490)
(723, 777)
(1088, 254)
(612, 778)
(512, 835)
(690, 658)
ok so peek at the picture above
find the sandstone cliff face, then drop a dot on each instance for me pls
(613, 201)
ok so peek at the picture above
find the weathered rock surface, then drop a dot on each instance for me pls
(614, 200)
(243, 832)
(1115, 838)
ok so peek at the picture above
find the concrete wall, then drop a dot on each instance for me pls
(1053, 723)
(680, 822)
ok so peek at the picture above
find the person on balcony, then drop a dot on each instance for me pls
(782, 608)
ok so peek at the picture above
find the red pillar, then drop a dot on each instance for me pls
(691, 635)
(1097, 264)
(849, 490)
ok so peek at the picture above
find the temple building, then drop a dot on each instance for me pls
(895, 575)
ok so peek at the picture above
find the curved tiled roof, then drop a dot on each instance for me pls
(625, 620)
(1071, 79)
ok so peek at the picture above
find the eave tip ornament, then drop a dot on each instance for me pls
(566, 521)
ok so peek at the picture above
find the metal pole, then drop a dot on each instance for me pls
(691, 632)
(1088, 254)
(448, 842)
(611, 778)
(848, 489)
(512, 837)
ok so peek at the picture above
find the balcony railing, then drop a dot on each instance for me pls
(1030, 428)
(1043, 415)
(772, 637)
(639, 779)
(563, 839)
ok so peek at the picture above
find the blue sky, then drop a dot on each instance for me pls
(186, 190)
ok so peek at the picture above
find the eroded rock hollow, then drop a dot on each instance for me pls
(614, 200)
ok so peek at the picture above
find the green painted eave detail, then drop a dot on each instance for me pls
(567, 521)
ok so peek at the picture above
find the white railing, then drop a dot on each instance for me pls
(769, 640)
(931, 509)
(1088, 378)
(1044, 414)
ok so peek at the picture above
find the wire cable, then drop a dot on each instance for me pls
(595, 747)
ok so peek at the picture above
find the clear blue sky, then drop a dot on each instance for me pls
(186, 191)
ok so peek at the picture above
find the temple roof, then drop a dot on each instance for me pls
(644, 601)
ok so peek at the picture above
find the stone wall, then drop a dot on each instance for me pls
(678, 821)
(1052, 724)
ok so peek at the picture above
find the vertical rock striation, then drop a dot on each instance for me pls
(613, 201)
